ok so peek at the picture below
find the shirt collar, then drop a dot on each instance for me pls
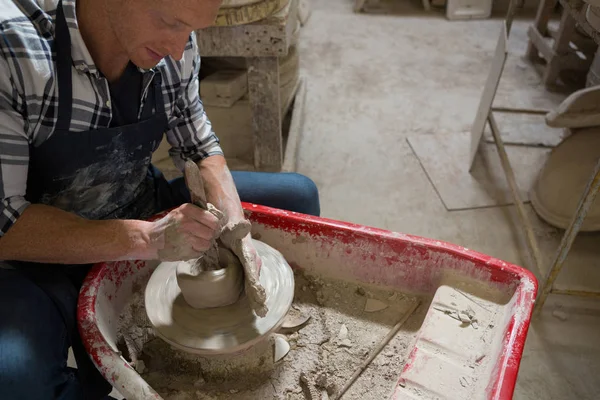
(82, 59)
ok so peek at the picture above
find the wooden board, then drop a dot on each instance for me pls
(238, 3)
(248, 13)
(266, 38)
(442, 158)
(489, 91)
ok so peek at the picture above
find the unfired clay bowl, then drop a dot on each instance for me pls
(216, 288)
(558, 188)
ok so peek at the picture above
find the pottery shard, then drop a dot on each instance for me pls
(281, 348)
(293, 321)
(374, 305)
(343, 334)
(561, 315)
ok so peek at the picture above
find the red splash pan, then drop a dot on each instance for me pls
(439, 365)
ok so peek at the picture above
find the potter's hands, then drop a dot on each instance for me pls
(251, 255)
(236, 237)
(184, 233)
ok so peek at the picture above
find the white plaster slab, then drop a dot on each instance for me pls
(489, 92)
(442, 157)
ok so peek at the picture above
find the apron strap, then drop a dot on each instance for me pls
(62, 44)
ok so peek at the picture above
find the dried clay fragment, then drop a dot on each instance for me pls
(281, 348)
(293, 321)
(374, 305)
(343, 334)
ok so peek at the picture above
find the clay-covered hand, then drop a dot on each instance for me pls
(236, 237)
(184, 233)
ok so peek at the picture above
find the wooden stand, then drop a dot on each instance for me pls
(560, 50)
(486, 111)
(261, 43)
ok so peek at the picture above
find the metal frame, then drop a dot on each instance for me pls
(585, 202)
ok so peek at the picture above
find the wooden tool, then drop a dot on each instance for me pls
(377, 349)
(195, 184)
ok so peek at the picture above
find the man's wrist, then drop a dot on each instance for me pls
(139, 241)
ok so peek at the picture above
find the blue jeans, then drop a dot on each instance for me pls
(286, 191)
(33, 337)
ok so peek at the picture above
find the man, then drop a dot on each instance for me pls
(87, 90)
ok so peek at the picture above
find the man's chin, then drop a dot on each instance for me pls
(144, 64)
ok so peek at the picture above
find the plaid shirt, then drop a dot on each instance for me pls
(29, 96)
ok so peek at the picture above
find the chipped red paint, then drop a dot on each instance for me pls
(384, 250)
(507, 367)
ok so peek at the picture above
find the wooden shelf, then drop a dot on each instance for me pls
(266, 38)
(262, 43)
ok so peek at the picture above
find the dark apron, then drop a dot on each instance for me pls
(97, 174)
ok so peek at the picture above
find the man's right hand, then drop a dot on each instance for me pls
(185, 233)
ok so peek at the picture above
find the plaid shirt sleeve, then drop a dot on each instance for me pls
(190, 132)
(14, 151)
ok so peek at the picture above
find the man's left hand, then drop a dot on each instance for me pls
(236, 237)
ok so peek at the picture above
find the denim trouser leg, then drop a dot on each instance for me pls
(33, 344)
(286, 191)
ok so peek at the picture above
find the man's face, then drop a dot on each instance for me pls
(149, 30)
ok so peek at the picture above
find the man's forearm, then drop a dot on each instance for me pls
(49, 235)
(220, 188)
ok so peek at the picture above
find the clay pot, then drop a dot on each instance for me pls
(561, 181)
(215, 288)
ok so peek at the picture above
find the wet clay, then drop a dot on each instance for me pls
(220, 330)
(232, 237)
(215, 287)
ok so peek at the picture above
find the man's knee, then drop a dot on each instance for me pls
(33, 341)
(24, 373)
(306, 195)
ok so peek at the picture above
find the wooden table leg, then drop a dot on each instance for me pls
(561, 48)
(544, 12)
(263, 92)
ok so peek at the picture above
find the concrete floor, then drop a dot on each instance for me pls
(374, 80)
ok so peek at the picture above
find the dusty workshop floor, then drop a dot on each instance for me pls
(373, 81)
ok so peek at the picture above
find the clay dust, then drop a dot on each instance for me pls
(326, 351)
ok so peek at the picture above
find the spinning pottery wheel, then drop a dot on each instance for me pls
(225, 329)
